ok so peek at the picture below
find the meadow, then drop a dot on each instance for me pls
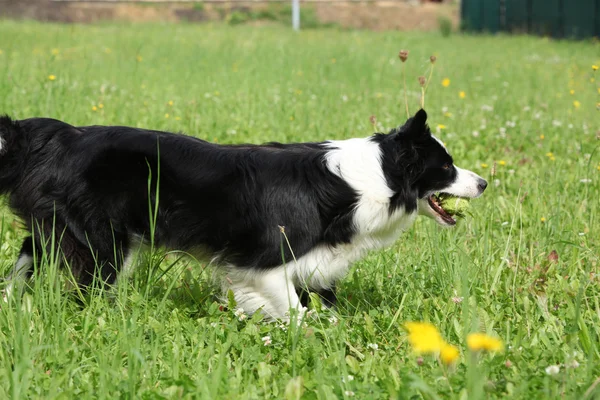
(523, 267)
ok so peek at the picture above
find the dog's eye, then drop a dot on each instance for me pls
(446, 166)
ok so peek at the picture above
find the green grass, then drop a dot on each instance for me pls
(170, 338)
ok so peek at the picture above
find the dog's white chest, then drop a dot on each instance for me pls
(324, 265)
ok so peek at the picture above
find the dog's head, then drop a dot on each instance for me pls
(418, 166)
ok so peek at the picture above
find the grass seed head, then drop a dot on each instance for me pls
(403, 55)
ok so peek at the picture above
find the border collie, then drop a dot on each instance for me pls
(277, 219)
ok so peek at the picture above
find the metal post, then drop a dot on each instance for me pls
(296, 14)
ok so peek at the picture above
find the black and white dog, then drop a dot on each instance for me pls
(275, 218)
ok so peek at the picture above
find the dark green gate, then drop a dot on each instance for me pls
(557, 18)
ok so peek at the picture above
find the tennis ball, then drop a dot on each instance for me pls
(454, 205)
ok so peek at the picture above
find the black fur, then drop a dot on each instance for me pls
(92, 184)
(96, 187)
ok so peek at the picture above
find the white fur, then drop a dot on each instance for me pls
(358, 162)
(17, 275)
(466, 184)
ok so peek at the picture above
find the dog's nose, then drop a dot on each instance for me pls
(482, 184)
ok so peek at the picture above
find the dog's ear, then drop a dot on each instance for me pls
(414, 127)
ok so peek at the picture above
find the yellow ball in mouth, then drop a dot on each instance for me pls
(454, 205)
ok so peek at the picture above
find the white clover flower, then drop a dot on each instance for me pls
(349, 393)
(239, 313)
(475, 133)
(486, 107)
(348, 378)
(573, 364)
(373, 346)
(553, 369)
(266, 340)
(585, 180)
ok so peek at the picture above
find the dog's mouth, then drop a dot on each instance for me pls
(434, 203)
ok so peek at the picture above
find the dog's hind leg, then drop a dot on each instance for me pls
(102, 256)
(22, 269)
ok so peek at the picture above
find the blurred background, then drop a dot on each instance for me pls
(557, 18)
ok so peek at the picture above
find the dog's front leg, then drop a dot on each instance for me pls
(271, 291)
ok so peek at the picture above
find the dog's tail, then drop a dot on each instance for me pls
(11, 136)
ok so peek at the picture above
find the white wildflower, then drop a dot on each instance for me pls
(475, 133)
(486, 107)
(585, 180)
(344, 98)
(348, 378)
(349, 393)
(496, 182)
(556, 123)
(239, 313)
(553, 369)
(573, 364)
(266, 340)
(373, 346)
(457, 299)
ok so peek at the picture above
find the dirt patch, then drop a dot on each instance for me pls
(387, 15)
(374, 15)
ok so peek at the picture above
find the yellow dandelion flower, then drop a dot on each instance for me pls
(107, 50)
(177, 118)
(445, 82)
(595, 67)
(484, 165)
(167, 115)
(447, 114)
(542, 137)
(333, 60)
(94, 108)
(552, 158)
(449, 353)
(483, 342)
(576, 104)
(543, 219)
(424, 337)
(55, 52)
(291, 118)
(571, 91)
(170, 103)
(51, 77)
(138, 58)
(549, 154)
(298, 91)
(100, 105)
(1, 51)
(379, 95)
(592, 80)
(440, 126)
(217, 93)
(462, 94)
(501, 162)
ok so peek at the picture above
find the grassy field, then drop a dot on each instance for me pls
(522, 112)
